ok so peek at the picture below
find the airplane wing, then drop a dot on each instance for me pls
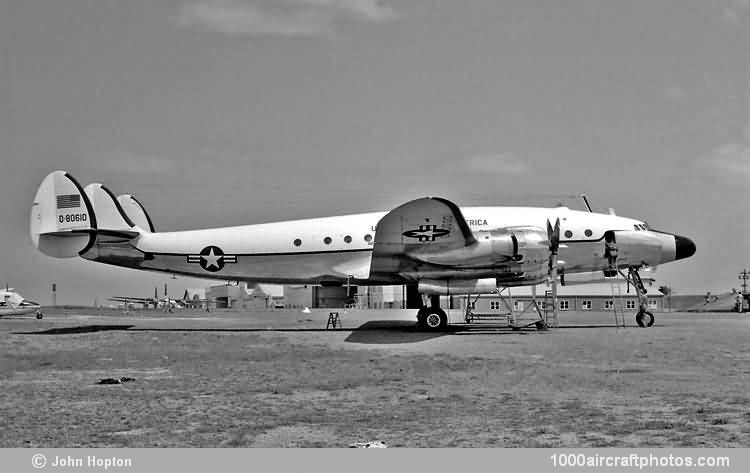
(406, 234)
(134, 300)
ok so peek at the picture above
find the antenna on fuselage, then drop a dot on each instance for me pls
(586, 202)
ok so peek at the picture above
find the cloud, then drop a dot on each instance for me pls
(675, 93)
(499, 163)
(734, 12)
(366, 10)
(283, 18)
(731, 160)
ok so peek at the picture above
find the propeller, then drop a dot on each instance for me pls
(553, 235)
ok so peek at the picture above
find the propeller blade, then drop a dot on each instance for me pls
(553, 234)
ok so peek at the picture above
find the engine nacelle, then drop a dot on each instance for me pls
(449, 287)
(506, 249)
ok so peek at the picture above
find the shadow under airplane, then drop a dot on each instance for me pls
(79, 329)
(373, 332)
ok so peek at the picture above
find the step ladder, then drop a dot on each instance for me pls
(618, 306)
(334, 321)
(547, 303)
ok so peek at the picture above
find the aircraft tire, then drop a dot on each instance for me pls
(39, 315)
(435, 319)
(644, 318)
(421, 317)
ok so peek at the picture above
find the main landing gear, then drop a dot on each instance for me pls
(644, 317)
(432, 318)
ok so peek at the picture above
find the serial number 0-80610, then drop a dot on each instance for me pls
(71, 218)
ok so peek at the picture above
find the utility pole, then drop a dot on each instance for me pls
(744, 276)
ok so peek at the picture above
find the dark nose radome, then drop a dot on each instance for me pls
(684, 247)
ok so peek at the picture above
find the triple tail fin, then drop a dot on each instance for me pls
(66, 220)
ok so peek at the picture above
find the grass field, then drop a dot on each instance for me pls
(280, 380)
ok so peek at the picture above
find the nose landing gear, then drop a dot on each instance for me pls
(644, 317)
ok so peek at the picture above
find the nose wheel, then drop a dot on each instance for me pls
(644, 317)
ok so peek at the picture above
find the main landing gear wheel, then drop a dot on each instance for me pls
(39, 315)
(432, 319)
(644, 318)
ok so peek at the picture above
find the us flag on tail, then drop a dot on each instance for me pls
(68, 201)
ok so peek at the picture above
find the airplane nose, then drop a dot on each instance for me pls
(684, 247)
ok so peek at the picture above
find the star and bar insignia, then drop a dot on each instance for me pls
(212, 259)
(426, 233)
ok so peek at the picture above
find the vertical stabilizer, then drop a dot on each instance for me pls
(62, 218)
(137, 213)
(109, 213)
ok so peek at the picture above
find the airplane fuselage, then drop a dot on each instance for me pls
(11, 303)
(335, 249)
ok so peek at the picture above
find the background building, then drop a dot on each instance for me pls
(580, 297)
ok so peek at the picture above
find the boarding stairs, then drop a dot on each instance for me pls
(509, 317)
(497, 318)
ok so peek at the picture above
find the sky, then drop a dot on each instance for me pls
(233, 112)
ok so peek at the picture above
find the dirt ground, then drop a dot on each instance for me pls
(279, 379)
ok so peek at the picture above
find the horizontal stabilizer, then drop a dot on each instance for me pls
(137, 213)
(62, 217)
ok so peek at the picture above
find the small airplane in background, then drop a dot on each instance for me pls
(12, 303)
(429, 244)
(156, 302)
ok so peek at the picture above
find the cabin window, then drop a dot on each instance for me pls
(297, 242)
(588, 232)
(368, 238)
(327, 240)
(585, 305)
(636, 227)
(568, 234)
(348, 239)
